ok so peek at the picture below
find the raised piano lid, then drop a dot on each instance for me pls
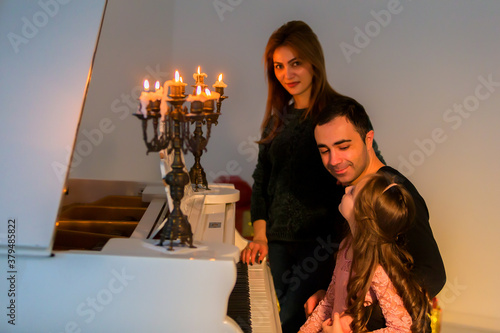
(46, 56)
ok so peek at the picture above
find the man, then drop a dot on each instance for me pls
(344, 136)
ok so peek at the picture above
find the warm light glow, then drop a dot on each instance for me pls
(146, 85)
(198, 70)
(220, 78)
(198, 90)
(157, 85)
(176, 76)
(207, 92)
(180, 79)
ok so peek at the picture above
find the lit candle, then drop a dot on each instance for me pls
(144, 99)
(198, 96)
(162, 102)
(158, 94)
(176, 86)
(208, 106)
(211, 94)
(199, 77)
(197, 101)
(219, 85)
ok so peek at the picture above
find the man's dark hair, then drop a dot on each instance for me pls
(343, 106)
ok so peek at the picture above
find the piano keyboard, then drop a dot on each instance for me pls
(238, 307)
(252, 303)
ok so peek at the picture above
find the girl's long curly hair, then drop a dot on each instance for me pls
(384, 210)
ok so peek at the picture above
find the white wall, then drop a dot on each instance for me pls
(411, 71)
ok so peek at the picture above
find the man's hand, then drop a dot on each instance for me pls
(313, 301)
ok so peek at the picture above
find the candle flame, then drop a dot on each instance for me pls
(176, 76)
(207, 92)
(198, 90)
(180, 79)
(220, 77)
(146, 85)
(198, 69)
(157, 85)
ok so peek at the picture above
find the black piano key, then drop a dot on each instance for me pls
(238, 307)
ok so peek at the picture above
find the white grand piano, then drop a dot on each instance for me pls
(81, 255)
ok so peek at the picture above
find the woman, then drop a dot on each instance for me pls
(294, 210)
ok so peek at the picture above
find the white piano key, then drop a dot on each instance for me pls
(263, 303)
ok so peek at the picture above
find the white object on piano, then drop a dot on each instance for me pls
(166, 161)
(211, 213)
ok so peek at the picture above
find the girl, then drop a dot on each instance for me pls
(373, 264)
